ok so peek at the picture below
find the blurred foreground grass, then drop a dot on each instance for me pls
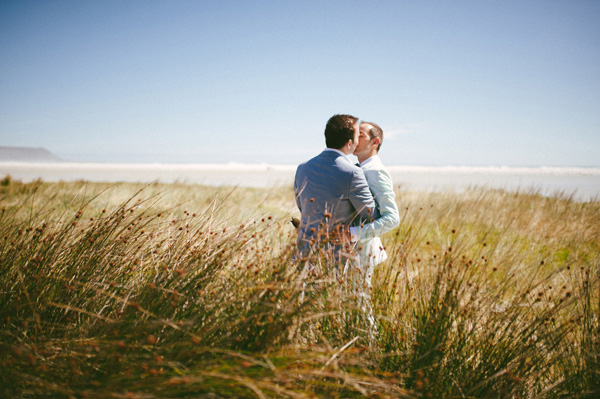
(164, 291)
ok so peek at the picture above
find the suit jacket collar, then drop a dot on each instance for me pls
(338, 152)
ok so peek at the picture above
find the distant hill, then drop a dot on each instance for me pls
(27, 154)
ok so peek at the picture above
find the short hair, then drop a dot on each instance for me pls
(339, 129)
(374, 132)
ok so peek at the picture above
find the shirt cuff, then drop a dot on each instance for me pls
(353, 233)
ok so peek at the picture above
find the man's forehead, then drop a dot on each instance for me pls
(365, 127)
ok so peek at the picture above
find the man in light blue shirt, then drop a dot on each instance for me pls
(380, 183)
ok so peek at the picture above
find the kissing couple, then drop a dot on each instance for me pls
(345, 206)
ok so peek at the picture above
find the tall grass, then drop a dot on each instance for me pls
(188, 291)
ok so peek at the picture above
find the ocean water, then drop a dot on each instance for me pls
(582, 183)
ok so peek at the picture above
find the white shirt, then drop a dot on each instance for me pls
(366, 161)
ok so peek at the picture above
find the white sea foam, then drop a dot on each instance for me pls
(583, 183)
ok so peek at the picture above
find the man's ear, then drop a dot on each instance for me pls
(376, 141)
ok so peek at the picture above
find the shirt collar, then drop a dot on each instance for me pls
(368, 160)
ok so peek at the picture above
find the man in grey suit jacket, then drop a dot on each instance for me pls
(331, 191)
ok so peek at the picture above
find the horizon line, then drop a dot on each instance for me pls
(257, 166)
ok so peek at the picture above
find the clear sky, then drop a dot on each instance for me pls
(451, 82)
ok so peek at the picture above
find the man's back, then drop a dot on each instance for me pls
(330, 191)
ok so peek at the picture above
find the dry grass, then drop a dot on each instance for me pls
(189, 291)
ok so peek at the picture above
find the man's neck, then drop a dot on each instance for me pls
(339, 151)
(345, 150)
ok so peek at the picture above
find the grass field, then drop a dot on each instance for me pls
(170, 291)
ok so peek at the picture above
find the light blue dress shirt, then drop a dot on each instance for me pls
(380, 183)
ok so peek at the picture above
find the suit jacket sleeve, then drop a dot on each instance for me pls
(362, 198)
(380, 183)
(297, 188)
(297, 196)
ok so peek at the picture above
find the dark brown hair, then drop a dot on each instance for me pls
(339, 129)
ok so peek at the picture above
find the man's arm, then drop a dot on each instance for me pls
(297, 189)
(380, 183)
(362, 198)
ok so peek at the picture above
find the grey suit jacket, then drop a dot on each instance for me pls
(330, 190)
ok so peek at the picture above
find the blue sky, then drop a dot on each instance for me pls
(451, 82)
